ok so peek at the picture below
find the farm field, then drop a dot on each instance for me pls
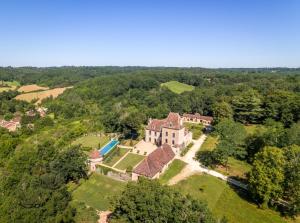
(31, 87)
(224, 201)
(91, 141)
(40, 95)
(174, 169)
(8, 85)
(115, 156)
(98, 191)
(131, 160)
(178, 87)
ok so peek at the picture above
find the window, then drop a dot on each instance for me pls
(150, 139)
(174, 135)
(173, 143)
(166, 133)
(166, 140)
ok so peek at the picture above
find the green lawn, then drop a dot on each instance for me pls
(209, 144)
(175, 168)
(91, 141)
(115, 156)
(178, 87)
(235, 168)
(224, 201)
(131, 160)
(196, 129)
(97, 191)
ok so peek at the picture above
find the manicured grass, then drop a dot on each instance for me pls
(174, 169)
(131, 160)
(178, 87)
(114, 157)
(97, 191)
(91, 141)
(196, 129)
(209, 144)
(224, 201)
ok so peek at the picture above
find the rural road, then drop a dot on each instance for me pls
(194, 167)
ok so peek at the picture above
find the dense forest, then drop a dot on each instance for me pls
(37, 164)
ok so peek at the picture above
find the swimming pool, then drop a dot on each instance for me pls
(108, 147)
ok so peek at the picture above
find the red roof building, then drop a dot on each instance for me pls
(197, 118)
(155, 164)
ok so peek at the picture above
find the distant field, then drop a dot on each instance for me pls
(32, 87)
(98, 191)
(178, 87)
(224, 201)
(174, 169)
(131, 160)
(91, 141)
(11, 85)
(40, 95)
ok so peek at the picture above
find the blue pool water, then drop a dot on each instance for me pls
(109, 146)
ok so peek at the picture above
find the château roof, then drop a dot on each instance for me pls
(173, 121)
(155, 162)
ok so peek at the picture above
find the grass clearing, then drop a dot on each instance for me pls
(209, 144)
(40, 95)
(236, 168)
(131, 160)
(98, 191)
(178, 87)
(196, 129)
(8, 85)
(32, 87)
(174, 169)
(115, 157)
(91, 141)
(224, 201)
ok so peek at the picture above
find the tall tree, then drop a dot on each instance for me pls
(247, 107)
(222, 110)
(149, 201)
(267, 175)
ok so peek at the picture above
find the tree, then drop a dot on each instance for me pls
(247, 107)
(231, 142)
(292, 180)
(222, 110)
(70, 164)
(267, 175)
(149, 201)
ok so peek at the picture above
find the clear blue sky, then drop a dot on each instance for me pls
(210, 33)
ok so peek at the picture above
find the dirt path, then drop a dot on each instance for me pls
(193, 166)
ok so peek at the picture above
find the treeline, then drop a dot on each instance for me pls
(124, 102)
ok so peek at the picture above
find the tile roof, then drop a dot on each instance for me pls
(198, 116)
(173, 121)
(155, 162)
(95, 154)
